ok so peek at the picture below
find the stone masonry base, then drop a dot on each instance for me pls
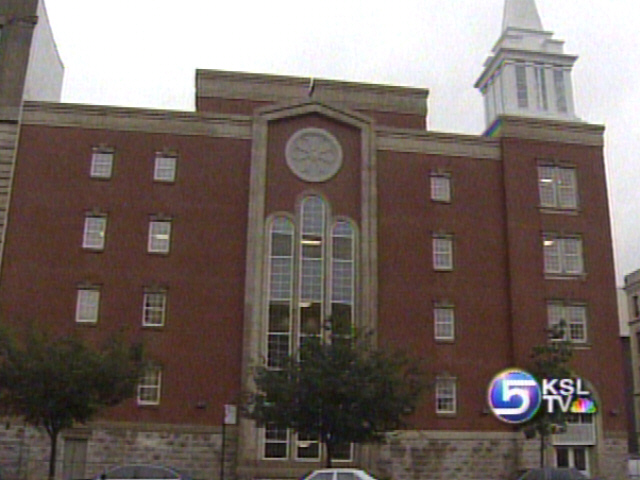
(87, 451)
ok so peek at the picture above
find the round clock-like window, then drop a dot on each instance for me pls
(313, 154)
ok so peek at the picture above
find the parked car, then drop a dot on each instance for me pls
(338, 474)
(142, 472)
(553, 473)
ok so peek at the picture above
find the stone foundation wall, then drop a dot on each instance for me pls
(482, 456)
(24, 452)
(613, 458)
(450, 456)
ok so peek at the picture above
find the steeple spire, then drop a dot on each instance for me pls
(521, 15)
(528, 73)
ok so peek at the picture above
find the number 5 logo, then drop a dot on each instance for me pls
(514, 396)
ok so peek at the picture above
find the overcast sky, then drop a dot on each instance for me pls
(144, 53)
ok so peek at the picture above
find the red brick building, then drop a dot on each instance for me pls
(222, 236)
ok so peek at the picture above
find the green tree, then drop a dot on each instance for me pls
(56, 383)
(549, 360)
(340, 391)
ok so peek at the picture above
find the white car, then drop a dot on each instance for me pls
(339, 474)
(142, 472)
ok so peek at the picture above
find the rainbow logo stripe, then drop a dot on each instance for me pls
(583, 405)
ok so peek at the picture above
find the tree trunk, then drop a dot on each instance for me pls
(329, 459)
(53, 436)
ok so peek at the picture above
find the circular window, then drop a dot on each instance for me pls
(313, 154)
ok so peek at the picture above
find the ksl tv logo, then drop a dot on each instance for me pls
(515, 396)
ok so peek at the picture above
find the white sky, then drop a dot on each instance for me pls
(144, 53)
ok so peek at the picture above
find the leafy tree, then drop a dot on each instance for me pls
(549, 360)
(340, 391)
(56, 383)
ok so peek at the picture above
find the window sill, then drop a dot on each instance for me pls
(560, 276)
(445, 341)
(87, 323)
(446, 415)
(92, 249)
(560, 211)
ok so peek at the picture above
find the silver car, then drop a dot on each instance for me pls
(339, 474)
(142, 472)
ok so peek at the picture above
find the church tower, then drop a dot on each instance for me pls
(527, 73)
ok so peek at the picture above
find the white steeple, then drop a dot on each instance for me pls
(528, 73)
(521, 14)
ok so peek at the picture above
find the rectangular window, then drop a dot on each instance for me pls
(95, 227)
(165, 168)
(560, 89)
(159, 236)
(440, 187)
(571, 318)
(101, 164)
(444, 322)
(87, 305)
(307, 447)
(343, 452)
(149, 386)
(541, 86)
(635, 302)
(276, 443)
(154, 309)
(278, 336)
(558, 187)
(446, 396)
(521, 86)
(563, 255)
(442, 252)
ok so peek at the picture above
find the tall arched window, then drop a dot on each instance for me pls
(342, 278)
(312, 268)
(280, 291)
(307, 285)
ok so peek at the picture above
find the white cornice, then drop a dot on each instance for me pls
(436, 143)
(133, 119)
(531, 128)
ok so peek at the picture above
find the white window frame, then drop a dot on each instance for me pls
(95, 230)
(310, 442)
(442, 252)
(164, 168)
(521, 85)
(159, 236)
(571, 457)
(558, 187)
(573, 315)
(101, 164)
(440, 184)
(560, 88)
(563, 255)
(87, 305)
(277, 441)
(446, 392)
(444, 324)
(150, 386)
(349, 459)
(154, 306)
